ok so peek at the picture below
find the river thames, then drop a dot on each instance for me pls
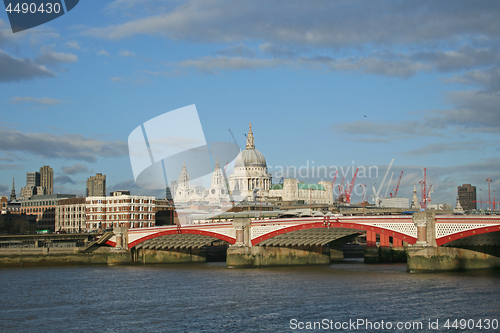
(350, 297)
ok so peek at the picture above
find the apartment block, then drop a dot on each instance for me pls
(70, 215)
(120, 209)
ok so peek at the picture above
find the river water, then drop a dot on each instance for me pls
(212, 298)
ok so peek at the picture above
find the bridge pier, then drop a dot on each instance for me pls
(384, 253)
(243, 254)
(167, 256)
(261, 256)
(426, 256)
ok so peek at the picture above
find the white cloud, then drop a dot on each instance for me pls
(50, 57)
(44, 101)
(127, 54)
(103, 52)
(73, 45)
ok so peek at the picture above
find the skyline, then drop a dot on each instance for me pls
(334, 83)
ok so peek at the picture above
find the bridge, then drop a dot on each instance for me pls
(309, 236)
(309, 231)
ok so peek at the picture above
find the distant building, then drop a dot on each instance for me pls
(395, 202)
(33, 179)
(440, 206)
(293, 190)
(47, 179)
(70, 215)
(120, 210)
(27, 192)
(96, 185)
(43, 207)
(467, 196)
(3, 204)
(32, 185)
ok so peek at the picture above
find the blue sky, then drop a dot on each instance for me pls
(340, 83)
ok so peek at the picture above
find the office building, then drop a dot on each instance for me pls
(96, 185)
(47, 179)
(467, 196)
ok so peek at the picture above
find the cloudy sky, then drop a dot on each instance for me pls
(330, 84)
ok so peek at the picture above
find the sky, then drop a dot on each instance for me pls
(327, 85)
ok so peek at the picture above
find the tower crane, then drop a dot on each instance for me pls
(350, 187)
(429, 194)
(423, 189)
(341, 190)
(234, 138)
(376, 193)
(397, 187)
(333, 183)
(388, 185)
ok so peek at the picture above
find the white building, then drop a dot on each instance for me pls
(120, 210)
(70, 215)
(395, 202)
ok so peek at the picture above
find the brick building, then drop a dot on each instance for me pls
(120, 209)
(43, 207)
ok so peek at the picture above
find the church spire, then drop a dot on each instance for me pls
(414, 200)
(458, 207)
(250, 143)
(13, 193)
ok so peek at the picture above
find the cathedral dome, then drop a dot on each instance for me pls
(250, 156)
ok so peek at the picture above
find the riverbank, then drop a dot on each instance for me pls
(64, 256)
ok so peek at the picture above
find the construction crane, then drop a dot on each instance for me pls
(234, 138)
(333, 183)
(376, 193)
(227, 184)
(388, 185)
(397, 187)
(429, 194)
(341, 190)
(350, 187)
(423, 189)
(489, 197)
